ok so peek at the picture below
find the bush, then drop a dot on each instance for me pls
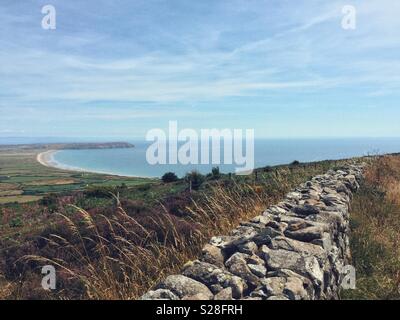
(215, 173)
(267, 169)
(122, 187)
(169, 177)
(50, 201)
(195, 178)
(100, 191)
(144, 187)
(16, 222)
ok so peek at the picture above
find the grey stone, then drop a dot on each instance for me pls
(313, 269)
(294, 195)
(332, 199)
(265, 235)
(351, 182)
(184, 286)
(279, 259)
(239, 236)
(159, 294)
(238, 286)
(285, 273)
(259, 293)
(303, 248)
(237, 265)
(283, 259)
(296, 223)
(224, 294)
(282, 297)
(307, 234)
(274, 285)
(260, 219)
(294, 289)
(197, 296)
(213, 255)
(213, 277)
(256, 226)
(216, 288)
(258, 270)
(312, 194)
(277, 226)
(236, 258)
(325, 242)
(306, 210)
(248, 247)
(244, 232)
(277, 210)
(254, 259)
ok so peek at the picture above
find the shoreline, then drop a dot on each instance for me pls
(46, 159)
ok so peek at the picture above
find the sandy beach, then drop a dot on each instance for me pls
(46, 159)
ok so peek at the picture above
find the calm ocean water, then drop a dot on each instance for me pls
(132, 162)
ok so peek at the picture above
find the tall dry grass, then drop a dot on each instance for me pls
(375, 236)
(6, 288)
(118, 257)
(124, 259)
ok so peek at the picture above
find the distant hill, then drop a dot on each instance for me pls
(69, 146)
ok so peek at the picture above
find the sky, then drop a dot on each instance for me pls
(285, 68)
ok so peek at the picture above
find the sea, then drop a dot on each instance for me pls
(267, 152)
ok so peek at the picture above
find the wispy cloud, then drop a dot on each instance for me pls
(211, 54)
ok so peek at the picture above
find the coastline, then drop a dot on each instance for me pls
(46, 159)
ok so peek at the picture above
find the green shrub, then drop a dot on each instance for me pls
(50, 201)
(100, 192)
(144, 187)
(215, 173)
(195, 178)
(16, 222)
(169, 177)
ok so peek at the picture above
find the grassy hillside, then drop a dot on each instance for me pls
(111, 238)
(116, 242)
(375, 237)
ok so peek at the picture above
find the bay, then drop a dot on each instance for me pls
(132, 162)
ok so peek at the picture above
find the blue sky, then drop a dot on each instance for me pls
(119, 68)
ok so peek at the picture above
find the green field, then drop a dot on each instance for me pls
(23, 179)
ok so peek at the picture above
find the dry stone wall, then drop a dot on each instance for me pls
(294, 250)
